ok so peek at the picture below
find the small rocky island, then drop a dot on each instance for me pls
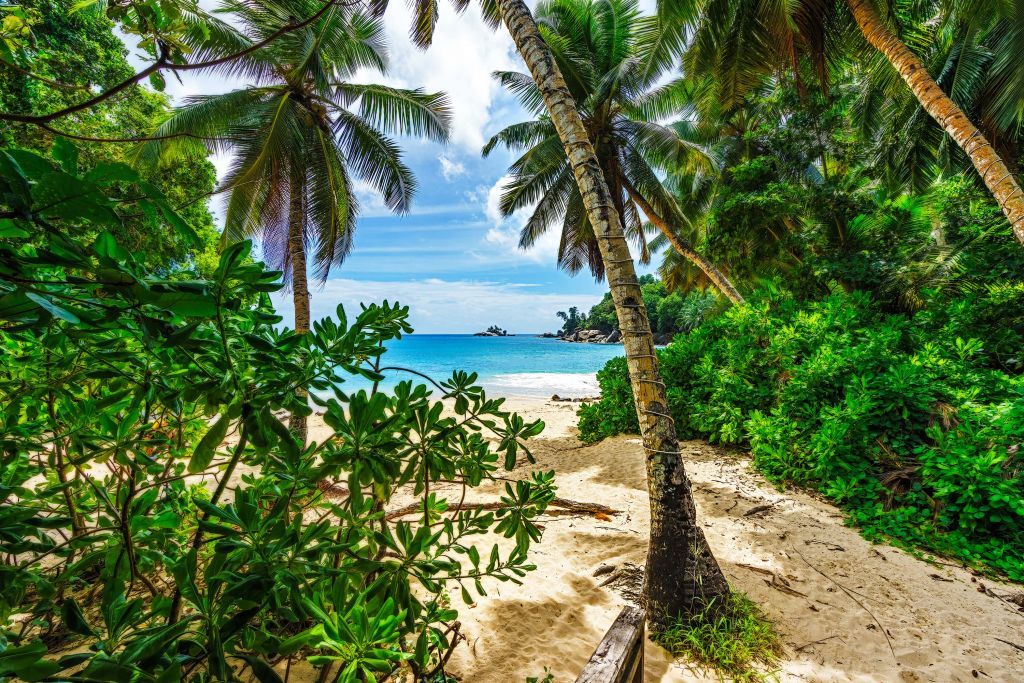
(493, 331)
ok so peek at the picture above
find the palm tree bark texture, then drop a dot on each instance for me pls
(300, 278)
(682, 575)
(997, 177)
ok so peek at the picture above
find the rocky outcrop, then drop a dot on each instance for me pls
(593, 337)
(613, 337)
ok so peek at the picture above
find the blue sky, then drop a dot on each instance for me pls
(452, 259)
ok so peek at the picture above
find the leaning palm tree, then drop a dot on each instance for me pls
(976, 58)
(739, 41)
(300, 132)
(682, 575)
(597, 43)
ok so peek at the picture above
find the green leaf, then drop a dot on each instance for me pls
(73, 618)
(261, 670)
(114, 172)
(214, 437)
(66, 154)
(157, 80)
(14, 659)
(52, 308)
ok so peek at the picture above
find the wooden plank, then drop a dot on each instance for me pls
(619, 658)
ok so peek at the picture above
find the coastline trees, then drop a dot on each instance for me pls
(713, 40)
(599, 45)
(71, 52)
(300, 133)
(119, 388)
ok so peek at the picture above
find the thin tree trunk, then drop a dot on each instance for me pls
(682, 575)
(716, 276)
(300, 282)
(986, 160)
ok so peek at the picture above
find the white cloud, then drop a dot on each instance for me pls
(460, 62)
(502, 238)
(371, 201)
(451, 169)
(452, 306)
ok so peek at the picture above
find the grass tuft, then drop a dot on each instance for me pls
(736, 640)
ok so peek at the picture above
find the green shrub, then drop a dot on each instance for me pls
(138, 545)
(913, 423)
(614, 414)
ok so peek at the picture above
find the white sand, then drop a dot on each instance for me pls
(942, 621)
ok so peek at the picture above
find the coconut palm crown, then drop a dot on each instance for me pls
(301, 133)
(598, 46)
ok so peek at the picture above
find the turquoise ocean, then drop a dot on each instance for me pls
(523, 365)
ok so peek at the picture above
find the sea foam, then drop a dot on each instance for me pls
(543, 384)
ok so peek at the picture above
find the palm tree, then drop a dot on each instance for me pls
(740, 41)
(976, 58)
(596, 42)
(299, 132)
(682, 575)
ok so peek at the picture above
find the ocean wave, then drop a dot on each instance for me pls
(543, 384)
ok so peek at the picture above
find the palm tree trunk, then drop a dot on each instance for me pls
(993, 170)
(300, 283)
(716, 276)
(682, 575)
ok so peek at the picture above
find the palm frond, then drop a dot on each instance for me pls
(398, 111)
(524, 88)
(521, 135)
(375, 159)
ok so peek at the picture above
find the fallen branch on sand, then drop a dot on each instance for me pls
(849, 594)
(1019, 647)
(814, 642)
(563, 503)
(757, 509)
(779, 583)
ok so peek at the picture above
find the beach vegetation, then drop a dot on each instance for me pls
(621, 98)
(574, 57)
(830, 190)
(669, 312)
(877, 358)
(910, 422)
(300, 135)
(734, 640)
(161, 522)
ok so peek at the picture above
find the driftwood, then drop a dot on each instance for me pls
(620, 656)
(563, 503)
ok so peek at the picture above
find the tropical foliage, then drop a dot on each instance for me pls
(71, 52)
(669, 312)
(878, 358)
(158, 519)
(161, 523)
(599, 46)
(911, 422)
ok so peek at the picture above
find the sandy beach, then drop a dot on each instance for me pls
(847, 610)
